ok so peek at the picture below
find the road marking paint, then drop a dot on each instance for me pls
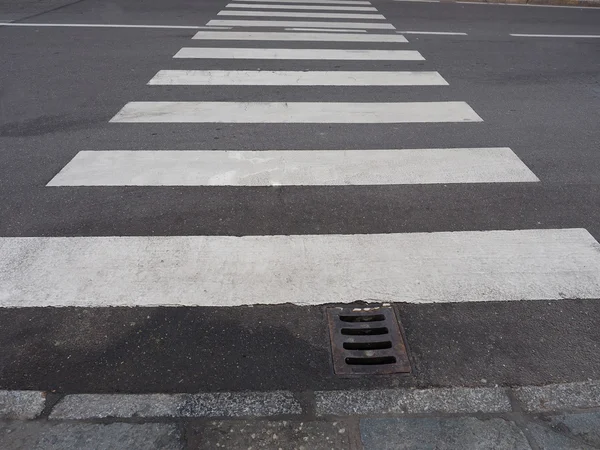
(293, 167)
(299, 53)
(319, 2)
(282, 36)
(311, 7)
(303, 15)
(112, 25)
(295, 112)
(441, 33)
(293, 23)
(462, 266)
(294, 78)
(528, 4)
(419, 1)
(327, 30)
(584, 36)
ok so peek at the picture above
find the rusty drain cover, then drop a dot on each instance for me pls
(366, 340)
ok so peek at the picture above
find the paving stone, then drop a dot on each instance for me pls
(21, 404)
(466, 433)
(44, 435)
(583, 426)
(262, 434)
(556, 397)
(222, 404)
(548, 439)
(412, 401)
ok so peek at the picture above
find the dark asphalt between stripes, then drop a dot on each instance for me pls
(60, 87)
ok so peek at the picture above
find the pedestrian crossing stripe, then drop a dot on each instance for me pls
(309, 36)
(308, 7)
(295, 112)
(327, 30)
(293, 167)
(294, 23)
(304, 15)
(462, 266)
(299, 53)
(319, 2)
(294, 78)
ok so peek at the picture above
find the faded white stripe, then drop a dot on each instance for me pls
(295, 112)
(328, 30)
(293, 167)
(302, 15)
(321, 2)
(280, 36)
(576, 36)
(297, 78)
(111, 25)
(293, 23)
(310, 7)
(298, 53)
(466, 266)
(520, 4)
(441, 33)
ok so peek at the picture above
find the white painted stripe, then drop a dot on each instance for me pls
(295, 112)
(112, 25)
(441, 33)
(302, 15)
(299, 53)
(341, 30)
(295, 78)
(522, 4)
(311, 7)
(577, 36)
(419, 1)
(320, 2)
(281, 36)
(466, 266)
(293, 167)
(293, 23)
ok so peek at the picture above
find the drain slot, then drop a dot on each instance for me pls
(366, 341)
(367, 345)
(365, 331)
(365, 318)
(371, 361)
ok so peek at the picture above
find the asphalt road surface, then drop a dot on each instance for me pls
(184, 234)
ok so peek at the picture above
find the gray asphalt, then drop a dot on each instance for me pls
(60, 86)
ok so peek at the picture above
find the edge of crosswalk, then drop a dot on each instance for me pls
(441, 267)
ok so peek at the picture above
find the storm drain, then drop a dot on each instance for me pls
(366, 341)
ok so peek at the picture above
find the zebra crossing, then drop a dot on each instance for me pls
(449, 266)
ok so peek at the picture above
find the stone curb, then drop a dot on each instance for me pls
(21, 404)
(433, 401)
(412, 401)
(581, 3)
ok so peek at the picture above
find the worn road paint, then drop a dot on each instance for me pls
(294, 78)
(328, 30)
(293, 167)
(319, 2)
(463, 266)
(437, 33)
(314, 36)
(299, 53)
(295, 112)
(301, 15)
(294, 23)
(309, 7)
(569, 36)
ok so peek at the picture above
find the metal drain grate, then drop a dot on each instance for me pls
(366, 341)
